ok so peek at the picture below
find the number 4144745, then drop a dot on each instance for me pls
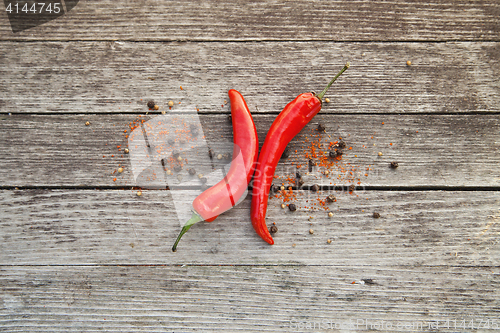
(36, 8)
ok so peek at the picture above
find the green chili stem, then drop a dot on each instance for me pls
(320, 96)
(194, 219)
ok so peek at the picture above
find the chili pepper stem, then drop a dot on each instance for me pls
(194, 219)
(321, 94)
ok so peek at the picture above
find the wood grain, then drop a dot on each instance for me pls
(120, 77)
(113, 227)
(244, 298)
(432, 150)
(198, 20)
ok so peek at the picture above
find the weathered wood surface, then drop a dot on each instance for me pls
(432, 150)
(88, 227)
(246, 298)
(80, 252)
(197, 20)
(115, 77)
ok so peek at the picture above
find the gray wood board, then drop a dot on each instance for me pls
(248, 298)
(116, 77)
(432, 150)
(269, 20)
(416, 228)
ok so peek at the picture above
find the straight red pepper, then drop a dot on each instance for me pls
(223, 195)
(284, 128)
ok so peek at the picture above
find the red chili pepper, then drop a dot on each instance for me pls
(284, 128)
(223, 195)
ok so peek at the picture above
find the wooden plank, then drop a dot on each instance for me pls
(453, 150)
(116, 77)
(247, 298)
(269, 20)
(416, 228)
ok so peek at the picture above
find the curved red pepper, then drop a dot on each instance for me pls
(223, 195)
(284, 128)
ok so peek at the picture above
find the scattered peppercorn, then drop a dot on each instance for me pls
(175, 154)
(171, 141)
(219, 157)
(273, 229)
(330, 214)
(192, 171)
(292, 207)
(311, 164)
(300, 183)
(126, 150)
(203, 187)
(321, 128)
(376, 215)
(352, 187)
(171, 103)
(282, 188)
(120, 170)
(177, 168)
(203, 180)
(156, 107)
(341, 144)
(283, 206)
(408, 63)
(87, 123)
(340, 152)
(394, 165)
(331, 198)
(226, 156)
(200, 175)
(169, 172)
(297, 175)
(332, 154)
(286, 153)
(315, 188)
(179, 158)
(311, 231)
(380, 153)
(329, 241)
(139, 193)
(179, 177)
(327, 172)
(151, 104)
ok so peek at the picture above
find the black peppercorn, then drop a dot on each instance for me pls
(297, 175)
(300, 183)
(321, 128)
(175, 154)
(286, 153)
(376, 215)
(292, 207)
(394, 165)
(151, 104)
(332, 154)
(203, 180)
(177, 168)
(315, 188)
(273, 229)
(192, 171)
(352, 187)
(341, 144)
(340, 152)
(331, 198)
